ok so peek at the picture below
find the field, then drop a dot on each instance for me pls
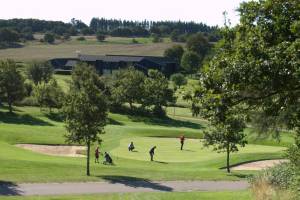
(112, 45)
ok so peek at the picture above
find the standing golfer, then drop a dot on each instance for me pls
(151, 152)
(182, 141)
(97, 152)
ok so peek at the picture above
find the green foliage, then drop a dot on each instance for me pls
(156, 38)
(190, 62)
(134, 41)
(81, 38)
(49, 95)
(199, 44)
(100, 37)
(156, 92)
(175, 52)
(226, 135)
(85, 108)
(11, 83)
(9, 35)
(49, 38)
(39, 72)
(174, 36)
(178, 80)
(127, 86)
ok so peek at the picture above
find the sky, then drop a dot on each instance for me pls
(206, 11)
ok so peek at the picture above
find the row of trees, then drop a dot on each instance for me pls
(25, 28)
(135, 88)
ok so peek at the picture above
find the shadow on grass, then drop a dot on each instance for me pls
(239, 175)
(166, 121)
(9, 189)
(13, 118)
(114, 122)
(136, 182)
(55, 116)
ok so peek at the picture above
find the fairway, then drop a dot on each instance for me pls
(168, 150)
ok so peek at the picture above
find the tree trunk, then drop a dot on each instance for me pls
(88, 158)
(228, 154)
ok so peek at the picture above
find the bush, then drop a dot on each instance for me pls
(134, 41)
(28, 101)
(49, 38)
(81, 38)
(156, 38)
(100, 37)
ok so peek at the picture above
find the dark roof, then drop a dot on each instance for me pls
(124, 58)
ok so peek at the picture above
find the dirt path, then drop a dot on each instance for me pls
(116, 186)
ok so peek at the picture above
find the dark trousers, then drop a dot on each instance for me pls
(181, 145)
(151, 156)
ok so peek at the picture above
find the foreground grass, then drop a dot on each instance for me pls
(245, 195)
(29, 125)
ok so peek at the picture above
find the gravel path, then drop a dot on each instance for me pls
(116, 186)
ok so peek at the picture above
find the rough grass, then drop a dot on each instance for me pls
(41, 51)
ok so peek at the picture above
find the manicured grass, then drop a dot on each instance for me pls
(29, 125)
(168, 150)
(244, 195)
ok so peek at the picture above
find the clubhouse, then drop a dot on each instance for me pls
(107, 64)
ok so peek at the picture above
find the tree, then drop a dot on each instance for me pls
(11, 83)
(85, 108)
(128, 86)
(49, 95)
(257, 66)
(100, 37)
(190, 62)
(9, 35)
(225, 136)
(178, 80)
(157, 92)
(175, 52)
(49, 38)
(174, 36)
(39, 72)
(199, 44)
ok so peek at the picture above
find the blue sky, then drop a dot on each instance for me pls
(207, 11)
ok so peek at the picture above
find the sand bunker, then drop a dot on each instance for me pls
(258, 165)
(55, 150)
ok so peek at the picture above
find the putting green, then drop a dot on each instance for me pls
(168, 150)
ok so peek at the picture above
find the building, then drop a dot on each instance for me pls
(107, 64)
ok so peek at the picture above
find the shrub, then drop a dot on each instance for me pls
(100, 37)
(81, 38)
(134, 41)
(49, 38)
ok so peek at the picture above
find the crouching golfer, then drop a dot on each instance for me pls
(108, 159)
(131, 146)
(151, 152)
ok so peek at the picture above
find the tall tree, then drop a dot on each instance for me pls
(198, 43)
(175, 52)
(11, 83)
(157, 92)
(128, 86)
(85, 108)
(49, 95)
(39, 72)
(190, 62)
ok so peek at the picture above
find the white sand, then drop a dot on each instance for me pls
(258, 165)
(55, 150)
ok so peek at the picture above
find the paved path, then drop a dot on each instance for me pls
(118, 186)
